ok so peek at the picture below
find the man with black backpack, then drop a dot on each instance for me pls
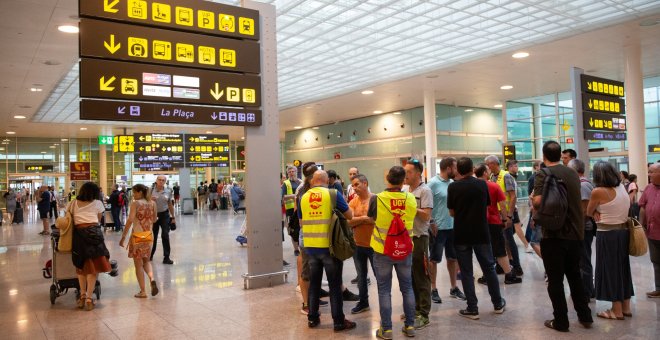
(115, 207)
(558, 205)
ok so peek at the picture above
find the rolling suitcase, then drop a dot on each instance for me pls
(18, 216)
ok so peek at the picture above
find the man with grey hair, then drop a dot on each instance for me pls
(163, 198)
(650, 218)
(289, 187)
(586, 267)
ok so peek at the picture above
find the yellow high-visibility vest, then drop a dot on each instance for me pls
(387, 203)
(316, 209)
(500, 182)
(289, 203)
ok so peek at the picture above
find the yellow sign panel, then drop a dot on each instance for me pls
(162, 50)
(161, 12)
(610, 89)
(206, 19)
(227, 57)
(185, 53)
(249, 95)
(184, 16)
(233, 94)
(138, 47)
(206, 55)
(129, 86)
(137, 9)
(246, 26)
(226, 23)
(603, 105)
(123, 144)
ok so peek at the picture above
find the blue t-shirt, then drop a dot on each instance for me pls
(341, 206)
(44, 204)
(440, 211)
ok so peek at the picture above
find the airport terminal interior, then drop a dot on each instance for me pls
(239, 92)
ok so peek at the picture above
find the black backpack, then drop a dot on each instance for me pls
(553, 212)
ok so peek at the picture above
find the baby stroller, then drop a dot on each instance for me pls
(61, 269)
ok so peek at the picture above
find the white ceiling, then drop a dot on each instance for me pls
(329, 50)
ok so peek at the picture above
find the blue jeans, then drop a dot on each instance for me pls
(383, 270)
(333, 268)
(486, 261)
(513, 247)
(116, 211)
(361, 256)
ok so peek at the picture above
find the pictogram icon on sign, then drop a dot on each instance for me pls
(138, 47)
(161, 12)
(206, 19)
(137, 9)
(227, 57)
(233, 94)
(162, 50)
(129, 86)
(246, 26)
(185, 53)
(226, 23)
(184, 16)
(249, 96)
(206, 55)
(111, 47)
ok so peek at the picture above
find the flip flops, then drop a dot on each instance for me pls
(609, 314)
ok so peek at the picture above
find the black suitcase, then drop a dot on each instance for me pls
(223, 203)
(18, 216)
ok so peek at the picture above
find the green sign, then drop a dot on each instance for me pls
(106, 140)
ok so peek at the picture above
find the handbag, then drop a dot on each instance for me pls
(638, 245)
(65, 225)
(142, 236)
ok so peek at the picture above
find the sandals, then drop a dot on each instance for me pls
(154, 288)
(89, 304)
(629, 315)
(81, 301)
(609, 314)
(141, 295)
(551, 324)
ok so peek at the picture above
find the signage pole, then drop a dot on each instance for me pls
(581, 144)
(264, 229)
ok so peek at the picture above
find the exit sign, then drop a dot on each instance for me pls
(106, 140)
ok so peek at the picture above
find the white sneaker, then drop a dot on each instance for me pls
(298, 288)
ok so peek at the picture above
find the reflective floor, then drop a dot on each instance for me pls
(202, 297)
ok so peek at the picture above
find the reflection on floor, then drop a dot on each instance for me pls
(202, 297)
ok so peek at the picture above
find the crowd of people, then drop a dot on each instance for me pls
(470, 210)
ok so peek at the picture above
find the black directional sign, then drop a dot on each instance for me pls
(604, 135)
(110, 40)
(131, 81)
(188, 15)
(604, 104)
(603, 108)
(591, 84)
(603, 121)
(206, 150)
(158, 150)
(509, 152)
(93, 109)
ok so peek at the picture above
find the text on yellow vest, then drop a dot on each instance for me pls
(316, 209)
(388, 203)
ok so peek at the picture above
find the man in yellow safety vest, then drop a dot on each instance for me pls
(289, 187)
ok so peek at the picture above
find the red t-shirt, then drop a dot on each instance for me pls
(496, 195)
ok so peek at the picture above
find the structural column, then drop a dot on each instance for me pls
(430, 135)
(207, 174)
(635, 115)
(538, 131)
(103, 170)
(264, 228)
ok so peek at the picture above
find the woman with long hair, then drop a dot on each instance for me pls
(142, 215)
(89, 253)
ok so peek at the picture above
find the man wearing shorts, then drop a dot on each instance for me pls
(495, 216)
(442, 231)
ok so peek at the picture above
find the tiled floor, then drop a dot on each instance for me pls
(202, 297)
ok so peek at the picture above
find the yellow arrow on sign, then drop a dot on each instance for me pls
(217, 94)
(590, 104)
(591, 122)
(111, 46)
(110, 6)
(105, 85)
(588, 85)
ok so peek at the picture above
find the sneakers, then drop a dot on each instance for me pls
(421, 322)
(500, 309)
(355, 281)
(653, 294)
(359, 308)
(511, 279)
(408, 331)
(344, 326)
(348, 296)
(304, 309)
(457, 294)
(167, 261)
(474, 315)
(482, 280)
(498, 269)
(518, 271)
(435, 296)
(323, 303)
(324, 293)
(384, 334)
(313, 323)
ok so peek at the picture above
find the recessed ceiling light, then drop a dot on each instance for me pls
(468, 110)
(367, 92)
(64, 140)
(209, 131)
(11, 132)
(56, 144)
(83, 129)
(52, 146)
(19, 117)
(497, 106)
(297, 127)
(506, 87)
(36, 89)
(520, 55)
(68, 29)
(396, 113)
(44, 152)
(242, 137)
(315, 128)
(378, 112)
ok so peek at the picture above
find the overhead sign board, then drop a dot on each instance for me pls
(206, 150)
(189, 15)
(596, 85)
(509, 152)
(654, 148)
(38, 167)
(79, 171)
(603, 121)
(604, 136)
(158, 150)
(132, 81)
(123, 143)
(93, 109)
(604, 104)
(111, 40)
(106, 140)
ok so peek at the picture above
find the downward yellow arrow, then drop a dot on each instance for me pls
(591, 105)
(588, 85)
(110, 6)
(217, 94)
(105, 85)
(591, 122)
(111, 46)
